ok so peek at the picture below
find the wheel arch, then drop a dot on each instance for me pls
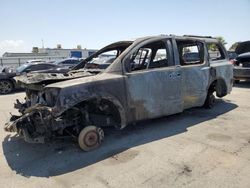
(219, 86)
(115, 103)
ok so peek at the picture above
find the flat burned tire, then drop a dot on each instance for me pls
(210, 101)
(90, 138)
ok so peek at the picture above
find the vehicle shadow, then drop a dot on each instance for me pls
(60, 157)
(243, 84)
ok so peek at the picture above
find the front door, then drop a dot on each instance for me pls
(153, 82)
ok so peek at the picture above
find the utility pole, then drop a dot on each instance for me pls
(42, 44)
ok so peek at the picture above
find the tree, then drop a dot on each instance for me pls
(234, 46)
(222, 40)
(213, 47)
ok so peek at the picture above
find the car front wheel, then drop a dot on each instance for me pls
(90, 138)
(5, 86)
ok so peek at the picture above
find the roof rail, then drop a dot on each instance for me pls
(197, 36)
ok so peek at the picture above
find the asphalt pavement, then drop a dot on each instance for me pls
(197, 148)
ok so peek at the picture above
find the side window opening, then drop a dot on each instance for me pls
(153, 55)
(141, 59)
(190, 52)
(161, 54)
(160, 59)
(215, 52)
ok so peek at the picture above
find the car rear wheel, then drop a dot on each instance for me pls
(90, 138)
(210, 101)
(6, 86)
(236, 81)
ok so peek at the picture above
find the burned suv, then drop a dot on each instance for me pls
(149, 78)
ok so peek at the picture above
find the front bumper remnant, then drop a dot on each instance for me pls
(34, 126)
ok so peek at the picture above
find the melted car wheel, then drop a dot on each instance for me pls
(90, 138)
(5, 87)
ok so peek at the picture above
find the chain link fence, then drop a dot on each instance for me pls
(16, 62)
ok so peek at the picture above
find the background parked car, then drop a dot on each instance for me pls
(36, 61)
(99, 63)
(68, 62)
(54, 70)
(95, 66)
(191, 56)
(8, 84)
(232, 55)
(242, 62)
(63, 66)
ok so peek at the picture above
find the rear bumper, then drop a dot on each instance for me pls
(241, 73)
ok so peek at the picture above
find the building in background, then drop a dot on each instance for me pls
(47, 54)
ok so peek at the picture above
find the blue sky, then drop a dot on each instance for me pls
(95, 23)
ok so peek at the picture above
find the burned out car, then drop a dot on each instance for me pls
(149, 78)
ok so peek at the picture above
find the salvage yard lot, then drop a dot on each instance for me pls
(197, 148)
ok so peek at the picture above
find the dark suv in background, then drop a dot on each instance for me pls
(69, 63)
(242, 62)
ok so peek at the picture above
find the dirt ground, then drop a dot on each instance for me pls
(197, 148)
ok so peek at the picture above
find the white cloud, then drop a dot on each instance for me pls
(12, 46)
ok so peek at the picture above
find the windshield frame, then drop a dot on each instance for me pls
(120, 46)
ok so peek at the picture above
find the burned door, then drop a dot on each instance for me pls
(195, 72)
(153, 82)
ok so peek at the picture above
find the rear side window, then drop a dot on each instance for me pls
(190, 52)
(215, 52)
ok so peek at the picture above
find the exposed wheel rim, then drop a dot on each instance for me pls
(5, 87)
(91, 139)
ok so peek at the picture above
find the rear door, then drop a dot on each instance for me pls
(153, 81)
(195, 72)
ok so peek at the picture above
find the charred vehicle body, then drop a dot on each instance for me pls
(148, 78)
